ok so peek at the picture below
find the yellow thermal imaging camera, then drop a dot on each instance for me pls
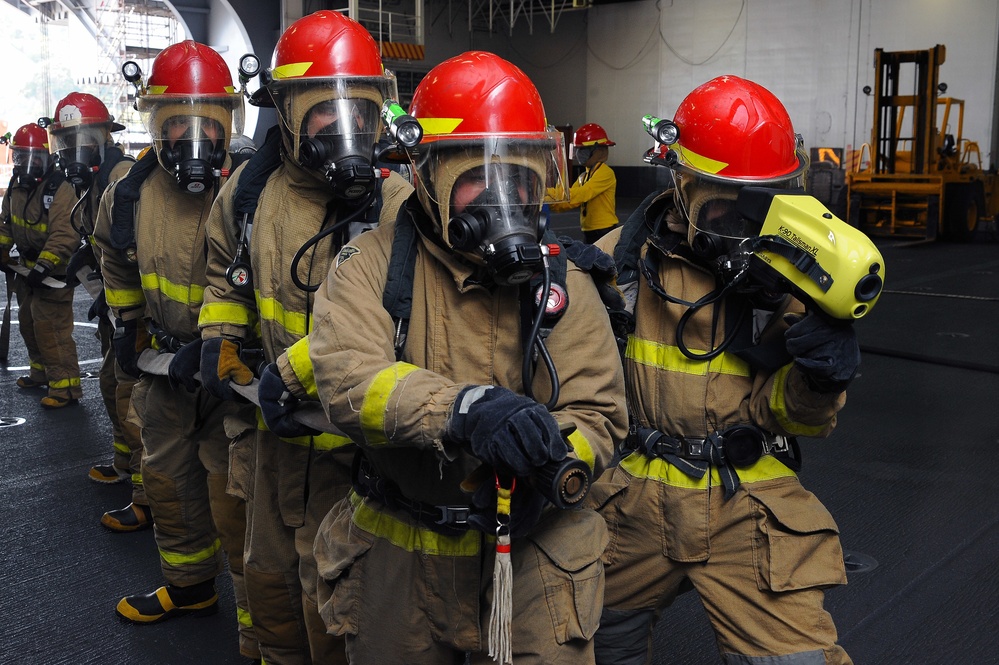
(805, 250)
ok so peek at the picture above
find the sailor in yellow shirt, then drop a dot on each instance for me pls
(595, 189)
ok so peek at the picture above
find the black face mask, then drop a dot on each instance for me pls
(194, 163)
(27, 178)
(496, 224)
(80, 173)
(344, 162)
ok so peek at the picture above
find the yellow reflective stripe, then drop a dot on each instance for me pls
(654, 468)
(699, 162)
(185, 294)
(298, 358)
(375, 401)
(412, 538)
(121, 447)
(6, 240)
(271, 310)
(671, 359)
(178, 559)
(37, 227)
(243, 618)
(121, 298)
(218, 313)
(36, 365)
(584, 451)
(778, 406)
(290, 71)
(137, 479)
(433, 126)
(65, 383)
(50, 257)
(324, 441)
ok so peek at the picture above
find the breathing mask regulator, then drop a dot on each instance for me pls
(497, 226)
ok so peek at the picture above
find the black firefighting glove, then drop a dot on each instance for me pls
(826, 351)
(130, 339)
(5, 259)
(99, 307)
(37, 274)
(526, 505)
(184, 365)
(81, 258)
(588, 257)
(220, 366)
(277, 405)
(509, 431)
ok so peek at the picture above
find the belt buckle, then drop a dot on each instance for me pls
(780, 444)
(695, 446)
(453, 515)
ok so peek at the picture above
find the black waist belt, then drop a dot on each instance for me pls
(451, 520)
(737, 446)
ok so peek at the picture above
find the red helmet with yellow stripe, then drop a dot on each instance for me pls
(590, 134)
(189, 105)
(328, 84)
(735, 130)
(484, 130)
(29, 154)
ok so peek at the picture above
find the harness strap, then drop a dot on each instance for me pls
(447, 520)
(737, 446)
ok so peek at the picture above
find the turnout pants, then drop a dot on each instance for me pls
(402, 593)
(293, 489)
(759, 561)
(116, 392)
(45, 319)
(185, 468)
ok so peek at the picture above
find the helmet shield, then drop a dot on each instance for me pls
(186, 128)
(486, 193)
(327, 118)
(30, 164)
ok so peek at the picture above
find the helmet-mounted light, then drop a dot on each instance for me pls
(44, 122)
(402, 127)
(5, 139)
(249, 67)
(663, 131)
(133, 74)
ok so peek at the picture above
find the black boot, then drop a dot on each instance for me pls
(168, 602)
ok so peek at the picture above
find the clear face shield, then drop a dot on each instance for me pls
(191, 136)
(488, 192)
(332, 125)
(78, 151)
(30, 165)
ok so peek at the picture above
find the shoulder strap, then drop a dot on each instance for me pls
(629, 246)
(112, 155)
(53, 182)
(254, 176)
(126, 194)
(397, 299)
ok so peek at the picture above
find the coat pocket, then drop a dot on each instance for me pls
(572, 572)
(340, 548)
(796, 544)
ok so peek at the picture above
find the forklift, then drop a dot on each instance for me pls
(921, 180)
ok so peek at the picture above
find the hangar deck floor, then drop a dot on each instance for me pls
(909, 474)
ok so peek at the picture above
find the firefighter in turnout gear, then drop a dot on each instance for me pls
(722, 377)
(80, 137)
(595, 191)
(439, 401)
(315, 187)
(35, 219)
(151, 232)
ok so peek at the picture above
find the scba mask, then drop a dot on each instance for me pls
(486, 195)
(331, 126)
(193, 149)
(582, 155)
(79, 152)
(338, 139)
(493, 221)
(29, 165)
